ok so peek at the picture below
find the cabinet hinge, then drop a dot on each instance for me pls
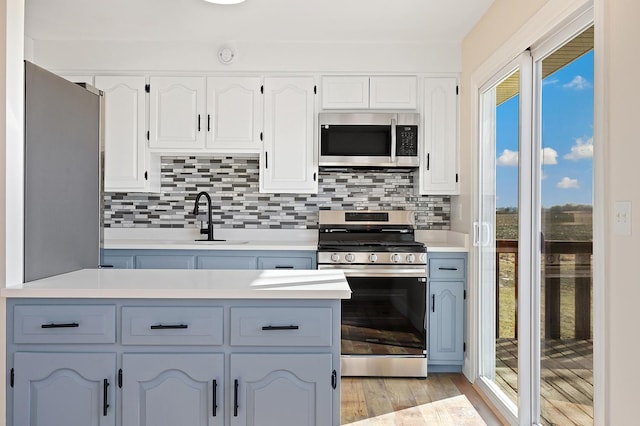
(315, 90)
(148, 135)
(120, 378)
(457, 90)
(147, 88)
(456, 178)
(146, 175)
(334, 379)
(12, 377)
(262, 89)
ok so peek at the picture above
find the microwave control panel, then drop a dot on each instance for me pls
(406, 140)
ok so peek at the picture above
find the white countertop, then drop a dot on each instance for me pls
(187, 284)
(253, 239)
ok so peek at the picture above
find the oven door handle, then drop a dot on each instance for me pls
(368, 271)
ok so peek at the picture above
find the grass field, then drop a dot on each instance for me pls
(560, 223)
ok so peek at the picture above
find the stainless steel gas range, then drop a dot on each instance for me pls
(384, 322)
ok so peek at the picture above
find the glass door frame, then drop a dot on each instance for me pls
(527, 411)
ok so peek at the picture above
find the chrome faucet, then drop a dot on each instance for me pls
(209, 230)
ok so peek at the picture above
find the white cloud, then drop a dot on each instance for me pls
(578, 83)
(549, 156)
(547, 82)
(568, 183)
(508, 158)
(581, 150)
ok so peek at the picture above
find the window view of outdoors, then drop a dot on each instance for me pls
(566, 277)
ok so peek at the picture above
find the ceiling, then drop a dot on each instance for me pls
(385, 21)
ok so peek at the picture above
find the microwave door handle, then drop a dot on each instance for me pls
(393, 140)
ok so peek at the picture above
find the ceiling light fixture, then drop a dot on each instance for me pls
(224, 1)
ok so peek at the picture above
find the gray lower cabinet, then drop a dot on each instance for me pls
(161, 362)
(446, 303)
(172, 389)
(209, 259)
(70, 389)
(281, 389)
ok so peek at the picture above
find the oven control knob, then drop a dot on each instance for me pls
(395, 258)
(350, 257)
(335, 257)
(411, 258)
(373, 257)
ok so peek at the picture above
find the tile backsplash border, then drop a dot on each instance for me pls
(232, 183)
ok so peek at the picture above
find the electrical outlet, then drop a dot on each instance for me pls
(622, 218)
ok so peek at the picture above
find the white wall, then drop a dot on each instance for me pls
(257, 57)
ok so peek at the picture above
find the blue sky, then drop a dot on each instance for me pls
(567, 138)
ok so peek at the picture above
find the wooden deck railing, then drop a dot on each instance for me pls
(556, 267)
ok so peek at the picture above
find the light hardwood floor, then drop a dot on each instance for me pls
(440, 399)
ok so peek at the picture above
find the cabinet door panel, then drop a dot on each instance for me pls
(53, 389)
(172, 389)
(350, 92)
(282, 389)
(124, 139)
(446, 322)
(439, 166)
(234, 118)
(227, 262)
(165, 262)
(394, 92)
(287, 163)
(177, 117)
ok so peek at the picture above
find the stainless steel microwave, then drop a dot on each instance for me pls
(368, 139)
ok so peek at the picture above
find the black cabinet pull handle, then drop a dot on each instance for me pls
(266, 160)
(284, 267)
(208, 122)
(235, 398)
(198, 122)
(445, 268)
(428, 161)
(334, 379)
(105, 398)
(58, 325)
(433, 303)
(168, 326)
(214, 398)
(280, 327)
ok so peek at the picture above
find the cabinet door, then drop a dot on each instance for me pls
(446, 321)
(124, 132)
(71, 389)
(234, 116)
(177, 117)
(281, 389)
(172, 389)
(226, 262)
(350, 92)
(393, 92)
(165, 261)
(439, 162)
(288, 162)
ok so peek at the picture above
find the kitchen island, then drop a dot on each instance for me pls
(166, 347)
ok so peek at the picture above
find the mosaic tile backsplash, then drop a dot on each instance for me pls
(232, 183)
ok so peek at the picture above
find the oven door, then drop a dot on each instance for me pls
(384, 322)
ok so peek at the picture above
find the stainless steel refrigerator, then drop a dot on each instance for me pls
(63, 175)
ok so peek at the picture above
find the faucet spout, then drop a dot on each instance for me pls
(209, 220)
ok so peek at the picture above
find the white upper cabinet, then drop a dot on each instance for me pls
(234, 114)
(127, 161)
(438, 173)
(177, 119)
(363, 92)
(287, 163)
(88, 79)
(345, 92)
(393, 92)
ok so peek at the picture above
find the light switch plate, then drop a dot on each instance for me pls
(622, 218)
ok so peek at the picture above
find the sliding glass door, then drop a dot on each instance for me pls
(534, 233)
